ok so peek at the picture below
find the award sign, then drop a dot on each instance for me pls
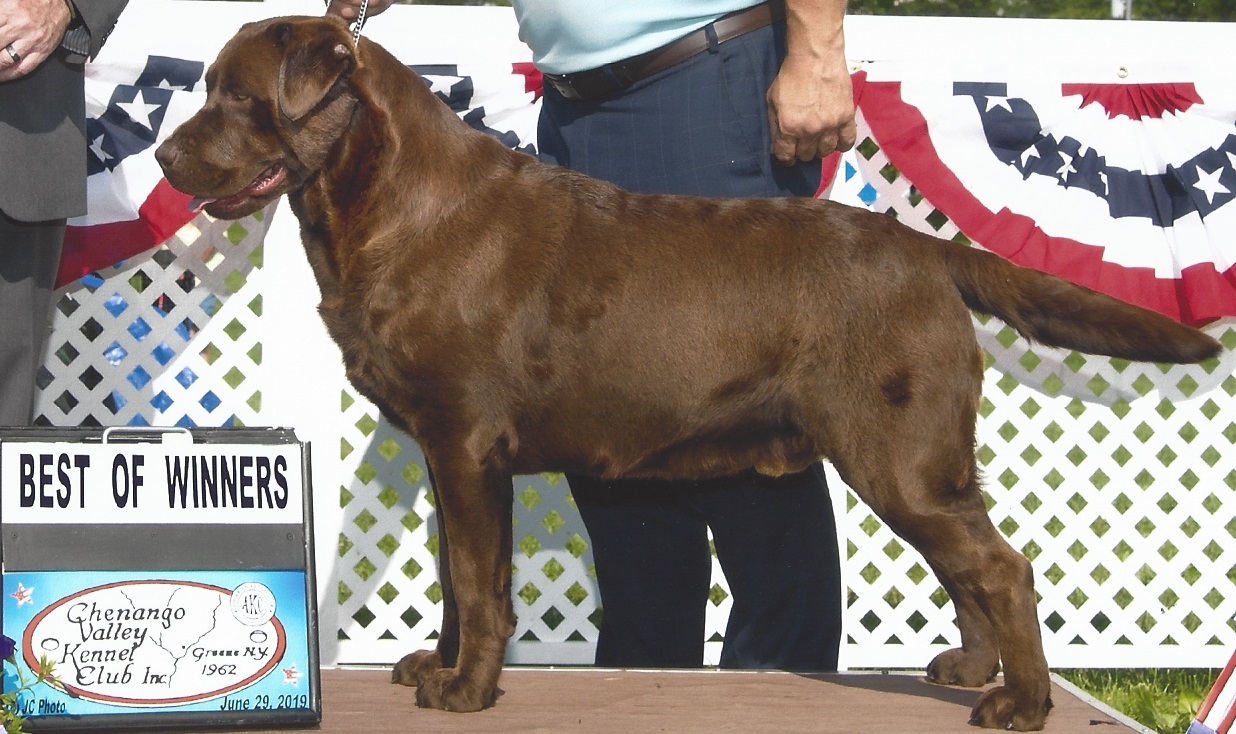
(164, 578)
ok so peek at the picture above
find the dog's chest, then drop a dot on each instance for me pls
(388, 366)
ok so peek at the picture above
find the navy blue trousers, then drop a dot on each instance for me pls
(702, 128)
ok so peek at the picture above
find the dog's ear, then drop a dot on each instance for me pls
(309, 69)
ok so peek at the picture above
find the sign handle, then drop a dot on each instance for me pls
(171, 435)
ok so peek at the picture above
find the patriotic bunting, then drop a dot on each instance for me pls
(1126, 189)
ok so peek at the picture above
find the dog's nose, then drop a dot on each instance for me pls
(166, 154)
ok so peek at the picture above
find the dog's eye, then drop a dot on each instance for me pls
(238, 96)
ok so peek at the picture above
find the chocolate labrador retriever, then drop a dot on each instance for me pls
(625, 335)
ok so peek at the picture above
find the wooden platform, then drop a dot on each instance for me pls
(593, 700)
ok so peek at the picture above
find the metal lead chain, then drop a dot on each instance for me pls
(359, 22)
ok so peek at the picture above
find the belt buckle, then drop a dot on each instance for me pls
(565, 87)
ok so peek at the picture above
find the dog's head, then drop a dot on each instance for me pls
(277, 99)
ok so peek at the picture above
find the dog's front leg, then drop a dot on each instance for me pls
(418, 666)
(474, 508)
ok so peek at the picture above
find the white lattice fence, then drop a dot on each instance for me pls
(172, 337)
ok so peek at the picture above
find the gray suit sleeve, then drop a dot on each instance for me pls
(98, 18)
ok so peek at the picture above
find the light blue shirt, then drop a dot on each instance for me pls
(567, 36)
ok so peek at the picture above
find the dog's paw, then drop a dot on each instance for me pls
(1002, 708)
(415, 667)
(447, 690)
(957, 667)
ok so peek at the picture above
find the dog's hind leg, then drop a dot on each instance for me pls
(911, 459)
(991, 584)
(977, 661)
(474, 507)
(993, 593)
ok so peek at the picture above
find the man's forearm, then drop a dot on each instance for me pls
(815, 30)
(810, 104)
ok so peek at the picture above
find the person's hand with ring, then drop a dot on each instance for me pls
(30, 30)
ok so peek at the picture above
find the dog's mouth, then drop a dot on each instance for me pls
(266, 182)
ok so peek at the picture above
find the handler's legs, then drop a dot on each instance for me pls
(653, 571)
(786, 587)
(777, 544)
(29, 258)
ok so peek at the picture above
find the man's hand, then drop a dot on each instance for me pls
(811, 102)
(31, 29)
(349, 9)
(810, 112)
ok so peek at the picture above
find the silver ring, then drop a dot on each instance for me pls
(13, 52)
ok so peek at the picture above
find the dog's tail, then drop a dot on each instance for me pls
(1055, 312)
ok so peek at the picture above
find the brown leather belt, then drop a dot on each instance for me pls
(597, 84)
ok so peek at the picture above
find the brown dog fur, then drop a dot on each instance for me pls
(515, 317)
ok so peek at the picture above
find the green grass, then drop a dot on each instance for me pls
(1162, 699)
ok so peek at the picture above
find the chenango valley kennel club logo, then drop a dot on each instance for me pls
(158, 643)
